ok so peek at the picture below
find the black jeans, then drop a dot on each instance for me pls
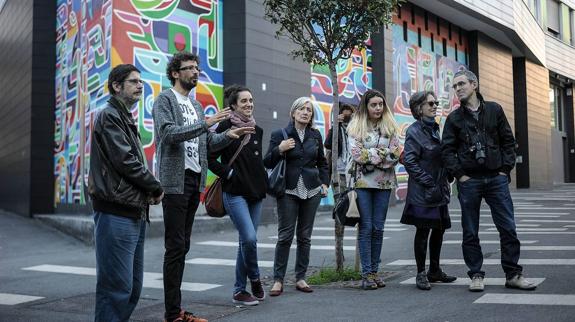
(179, 212)
(420, 248)
(292, 209)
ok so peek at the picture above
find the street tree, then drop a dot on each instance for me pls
(326, 31)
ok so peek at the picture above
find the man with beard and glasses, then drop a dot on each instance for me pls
(478, 149)
(182, 142)
(121, 187)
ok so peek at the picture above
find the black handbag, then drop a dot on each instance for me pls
(345, 210)
(276, 176)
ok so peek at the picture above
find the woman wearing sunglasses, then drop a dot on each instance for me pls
(428, 189)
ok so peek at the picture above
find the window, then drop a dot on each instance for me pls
(556, 105)
(553, 17)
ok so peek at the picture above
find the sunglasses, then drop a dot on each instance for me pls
(431, 104)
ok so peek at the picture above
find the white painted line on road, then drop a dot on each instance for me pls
(547, 208)
(458, 242)
(569, 226)
(527, 299)
(264, 245)
(548, 221)
(543, 261)
(522, 216)
(522, 232)
(151, 280)
(493, 225)
(223, 262)
(547, 247)
(496, 281)
(332, 237)
(332, 228)
(14, 299)
(534, 229)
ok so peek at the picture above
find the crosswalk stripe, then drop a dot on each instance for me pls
(519, 212)
(569, 226)
(265, 245)
(489, 261)
(332, 237)
(332, 228)
(14, 299)
(547, 247)
(522, 232)
(223, 262)
(151, 280)
(546, 208)
(458, 242)
(520, 215)
(465, 281)
(534, 229)
(548, 221)
(527, 299)
(492, 224)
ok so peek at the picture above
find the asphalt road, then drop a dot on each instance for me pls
(48, 276)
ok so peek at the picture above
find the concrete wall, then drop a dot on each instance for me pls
(538, 116)
(26, 120)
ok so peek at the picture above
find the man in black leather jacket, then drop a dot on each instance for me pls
(478, 148)
(121, 187)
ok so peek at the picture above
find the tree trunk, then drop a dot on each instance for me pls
(339, 229)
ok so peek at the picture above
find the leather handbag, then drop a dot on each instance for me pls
(276, 176)
(214, 201)
(345, 211)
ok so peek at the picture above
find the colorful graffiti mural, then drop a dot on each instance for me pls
(419, 65)
(93, 36)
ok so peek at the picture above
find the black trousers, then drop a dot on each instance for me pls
(179, 212)
(420, 248)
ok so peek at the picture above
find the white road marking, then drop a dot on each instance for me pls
(548, 220)
(493, 225)
(14, 299)
(151, 280)
(523, 216)
(264, 245)
(497, 242)
(522, 232)
(546, 247)
(332, 237)
(527, 299)
(546, 208)
(534, 229)
(465, 281)
(489, 261)
(332, 228)
(223, 262)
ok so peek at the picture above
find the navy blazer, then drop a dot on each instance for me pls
(306, 158)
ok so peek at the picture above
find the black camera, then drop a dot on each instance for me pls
(367, 168)
(479, 150)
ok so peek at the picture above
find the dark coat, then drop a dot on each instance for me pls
(119, 181)
(428, 184)
(249, 178)
(460, 133)
(306, 158)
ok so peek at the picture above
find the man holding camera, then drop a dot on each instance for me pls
(478, 148)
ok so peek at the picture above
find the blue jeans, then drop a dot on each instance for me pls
(372, 205)
(495, 191)
(119, 243)
(246, 217)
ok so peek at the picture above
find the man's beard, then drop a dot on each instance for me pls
(188, 85)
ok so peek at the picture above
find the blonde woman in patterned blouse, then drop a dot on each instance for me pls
(375, 150)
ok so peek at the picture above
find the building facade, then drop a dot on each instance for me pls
(57, 54)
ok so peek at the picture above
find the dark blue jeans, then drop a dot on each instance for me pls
(119, 243)
(495, 191)
(372, 205)
(246, 217)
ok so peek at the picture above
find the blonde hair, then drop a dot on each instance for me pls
(359, 125)
(299, 103)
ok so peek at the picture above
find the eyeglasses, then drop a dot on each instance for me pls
(431, 104)
(193, 67)
(134, 81)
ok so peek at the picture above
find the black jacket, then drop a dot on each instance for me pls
(428, 184)
(462, 131)
(341, 138)
(249, 177)
(119, 181)
(306, 158)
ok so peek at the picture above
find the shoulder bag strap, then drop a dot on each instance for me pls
(244, 142)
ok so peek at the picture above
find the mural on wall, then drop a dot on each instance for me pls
(95, 35)
(420, 65)
(354, 78)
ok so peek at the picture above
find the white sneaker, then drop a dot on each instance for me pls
(476, 284)
(519, 282)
